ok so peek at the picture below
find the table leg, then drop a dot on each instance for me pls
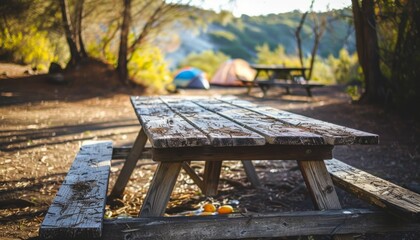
(308, 91)
(264, 88)
(320, 187)
(251, 173)
(160, 189)
(129, 165)
(211, 177)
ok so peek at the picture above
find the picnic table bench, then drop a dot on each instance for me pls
(280, 76)
(181, 130)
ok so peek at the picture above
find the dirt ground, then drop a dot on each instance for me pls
(43, 125)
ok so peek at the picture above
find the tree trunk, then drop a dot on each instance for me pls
(313, 55)
(298, 38)
(368, 51)
(122, 67)
(78, 13)
(74, 53)
(318, 30)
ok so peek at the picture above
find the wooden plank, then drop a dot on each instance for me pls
(321, 188)
(266, 152)
(193, 175)
(163, 127)
(332, 133)
(122, 153)
(160, 189)
(274, 130)
(256, 226)
(129, 165)
(211, 177)
(319, 185)
(251, 173)
(221, 131)
(379, 192)
(265, 86)
(77, 210)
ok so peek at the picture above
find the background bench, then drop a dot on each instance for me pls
(287, 84)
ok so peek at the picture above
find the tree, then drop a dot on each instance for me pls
(150, 18)
(388, 46)
(73, 31)
(298, 32)
(400, 51)
(122, 69)
(368, 51)
(318, 29)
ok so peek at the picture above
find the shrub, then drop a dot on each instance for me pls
(208, 61)
(147, 67)
(32, 47)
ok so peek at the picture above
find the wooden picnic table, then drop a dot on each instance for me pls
(280, 76)
(184, 129)
(212, 130)
(277, 71)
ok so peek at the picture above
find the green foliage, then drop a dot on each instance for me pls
(31, 47)
(345, 67)
(322, 72)
(147, 67)
(103, 49)
(353, 92)
(277, 56)
(208, 61)
(399, 30)
(343, 70)
(274, 29)
(223, 36)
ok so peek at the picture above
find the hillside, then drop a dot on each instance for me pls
(240, 36)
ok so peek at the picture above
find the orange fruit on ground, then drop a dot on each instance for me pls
(225, 209)
(209, 207)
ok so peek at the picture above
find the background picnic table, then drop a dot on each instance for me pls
(42, 131)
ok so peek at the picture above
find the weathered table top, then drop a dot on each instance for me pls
(174, 122)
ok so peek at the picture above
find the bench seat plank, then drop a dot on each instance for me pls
(78, 208)
(250, 226)
(221, 131)
(275, 131)
(164, 127)
(333, 134)
(284, 83)
(379, 192)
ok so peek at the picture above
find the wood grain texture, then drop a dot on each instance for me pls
(211, 177)
(163, 127)
(321, 188)
(129, 165)
(123, 152)
(266, 152)
(221, 131)
(160, 189)
(379, 192)
(78, 209)
(274, 130)
(319, 185)
(193, 175)
(251, 173)
(333, 134)
(256, 226)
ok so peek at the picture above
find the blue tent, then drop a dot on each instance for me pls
(191, 78)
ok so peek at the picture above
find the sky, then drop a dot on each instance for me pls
(263, 7)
